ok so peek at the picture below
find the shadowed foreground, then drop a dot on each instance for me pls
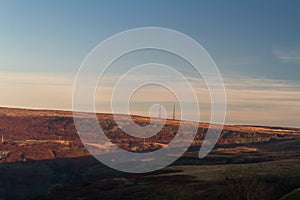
(42, 157)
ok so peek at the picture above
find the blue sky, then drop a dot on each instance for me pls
(251, 41)
(240, 36)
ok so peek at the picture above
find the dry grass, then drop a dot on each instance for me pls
(237, 150)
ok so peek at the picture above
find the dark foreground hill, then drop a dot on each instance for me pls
(42, 157)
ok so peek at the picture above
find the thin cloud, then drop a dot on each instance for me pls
(250, 100)
(292, 56)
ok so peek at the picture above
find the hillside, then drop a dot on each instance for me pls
(49, 134)
(42, 157)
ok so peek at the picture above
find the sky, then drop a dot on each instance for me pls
(255, 44)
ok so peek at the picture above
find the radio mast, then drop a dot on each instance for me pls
(174, 111)
(159, 111)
